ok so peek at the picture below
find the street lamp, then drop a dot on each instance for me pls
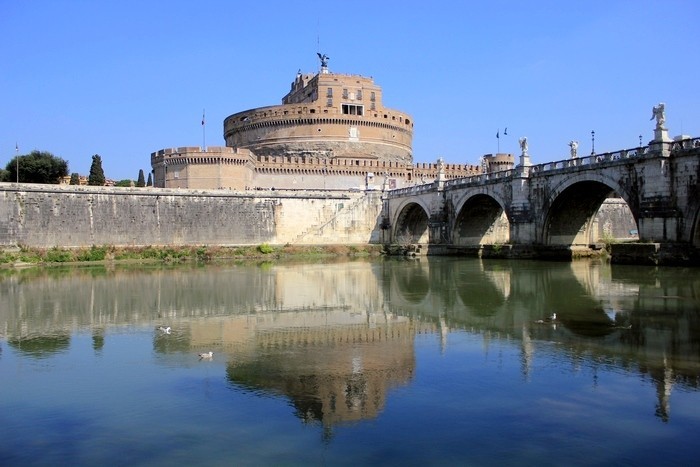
(592, 142)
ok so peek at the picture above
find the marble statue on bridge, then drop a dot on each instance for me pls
(659, 112)
(574, 149)
(523, 145)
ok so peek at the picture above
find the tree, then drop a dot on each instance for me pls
(126, 183)
(97, 175)
(74, 178)
(37, 167)
(141, 182)
(150, 180)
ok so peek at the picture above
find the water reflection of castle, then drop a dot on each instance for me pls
(335, 365)
(337, 350)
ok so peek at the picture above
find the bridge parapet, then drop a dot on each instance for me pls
(480, 179)
(412, 190)
(685, 144)
(593, 159)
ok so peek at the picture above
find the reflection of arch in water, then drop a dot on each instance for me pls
(567, 290)
(481, 221)
(412, 224)
(481, 297)
(411, 282)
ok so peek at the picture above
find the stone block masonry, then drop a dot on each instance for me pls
(46, 216)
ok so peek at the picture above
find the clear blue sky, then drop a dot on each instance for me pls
(125, 78)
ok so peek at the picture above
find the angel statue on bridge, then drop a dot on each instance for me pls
(523, 145)
(659, 112)
(574, 149)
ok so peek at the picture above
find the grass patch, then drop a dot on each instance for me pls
(176, 254)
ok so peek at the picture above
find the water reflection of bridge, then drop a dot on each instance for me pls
(336, 338)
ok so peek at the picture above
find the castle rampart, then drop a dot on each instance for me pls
(46, 216)
(241, 170)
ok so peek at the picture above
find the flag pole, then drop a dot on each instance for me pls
(17, 161)
(498, 138)
(204, 128)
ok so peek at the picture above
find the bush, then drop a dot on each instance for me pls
(93, 254)
(265, 249)
(56, 255)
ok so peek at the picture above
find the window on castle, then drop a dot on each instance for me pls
(371, 96)
(372, 106)
(329, 92)
(352, 109)
(329, 102)
(359, 94)
(345, 93)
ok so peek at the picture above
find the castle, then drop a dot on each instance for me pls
(331, 132)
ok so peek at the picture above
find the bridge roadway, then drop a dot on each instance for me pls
(549, 209)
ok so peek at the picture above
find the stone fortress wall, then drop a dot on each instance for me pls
(46, 216)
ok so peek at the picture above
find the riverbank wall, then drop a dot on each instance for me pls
(46, 216)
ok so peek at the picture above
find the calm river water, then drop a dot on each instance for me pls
(386, 362)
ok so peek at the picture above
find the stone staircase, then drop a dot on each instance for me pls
(328, 219)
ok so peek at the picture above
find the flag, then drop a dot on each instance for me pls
(505, 132)
(202, 118)
(498, 135)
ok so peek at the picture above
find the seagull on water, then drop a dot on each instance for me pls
(165, 330)
(551, 319)
(206, 355)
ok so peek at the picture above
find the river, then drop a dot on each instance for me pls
(429, 361)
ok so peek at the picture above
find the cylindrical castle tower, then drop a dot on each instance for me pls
(326, 115)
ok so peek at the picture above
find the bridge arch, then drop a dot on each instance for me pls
(569, 212)
(411, 223)
(694, 213)
(480, 219)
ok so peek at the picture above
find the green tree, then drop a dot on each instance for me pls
(126, 183)
(74, 178)
(141, 182)
(150, 180)
(37, 167)
(97, 175)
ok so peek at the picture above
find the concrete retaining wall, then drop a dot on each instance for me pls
(45, 216)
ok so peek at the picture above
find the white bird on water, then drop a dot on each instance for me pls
(206, 355)
(551, 319)
(165, 330)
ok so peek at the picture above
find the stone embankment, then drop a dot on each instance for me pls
(46, 216)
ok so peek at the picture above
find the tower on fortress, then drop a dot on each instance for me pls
(331, 131)
(326, 115)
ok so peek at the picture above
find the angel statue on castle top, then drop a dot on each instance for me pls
(324, 59)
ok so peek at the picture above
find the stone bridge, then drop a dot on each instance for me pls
(549, 209)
